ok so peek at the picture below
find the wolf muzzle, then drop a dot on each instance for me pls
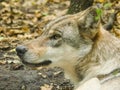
(21, 50)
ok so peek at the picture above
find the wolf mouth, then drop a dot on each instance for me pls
(43, 63)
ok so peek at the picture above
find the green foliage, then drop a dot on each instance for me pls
(45, 14)
(99, 13)
(107, 5)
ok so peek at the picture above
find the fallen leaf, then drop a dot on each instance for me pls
(46, 87)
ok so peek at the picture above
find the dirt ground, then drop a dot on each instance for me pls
(23, 20)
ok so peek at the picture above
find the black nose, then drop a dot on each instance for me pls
(21, 50)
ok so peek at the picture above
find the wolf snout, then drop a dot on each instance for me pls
(21, 50)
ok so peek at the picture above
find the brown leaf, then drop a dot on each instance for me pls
(46, 87)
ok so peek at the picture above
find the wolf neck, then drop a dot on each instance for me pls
(102, 59)
(70, 73)
(69, 69)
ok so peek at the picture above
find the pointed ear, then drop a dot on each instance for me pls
(87, 23)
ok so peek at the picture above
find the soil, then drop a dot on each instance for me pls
(44, 79)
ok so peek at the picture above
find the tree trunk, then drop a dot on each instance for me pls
(79, 5)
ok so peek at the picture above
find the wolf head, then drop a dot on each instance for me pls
(63, 40)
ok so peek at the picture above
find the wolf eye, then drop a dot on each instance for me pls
(55, 36)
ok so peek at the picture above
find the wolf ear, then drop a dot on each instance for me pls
(88, 25)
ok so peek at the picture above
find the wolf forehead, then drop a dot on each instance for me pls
(61, 24)
(65, 25)
(59, 21)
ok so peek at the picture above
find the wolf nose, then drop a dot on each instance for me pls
(21, 50)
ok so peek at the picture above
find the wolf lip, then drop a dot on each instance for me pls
(43, 63)
(46, 62)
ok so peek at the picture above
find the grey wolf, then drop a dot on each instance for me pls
(80, 45)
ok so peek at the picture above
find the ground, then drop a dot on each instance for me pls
(23, 20)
